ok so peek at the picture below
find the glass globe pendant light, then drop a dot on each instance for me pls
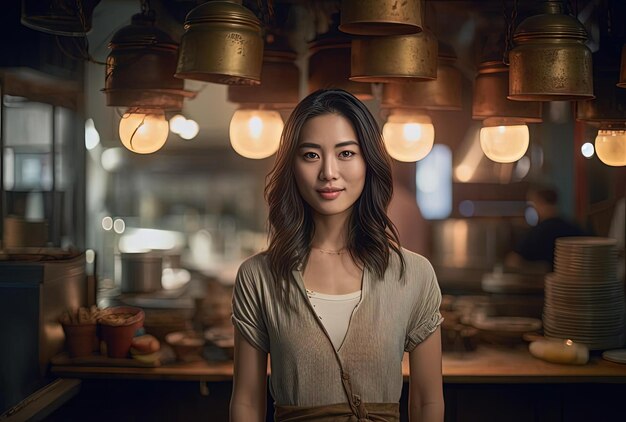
(504, 137)
(409, 135)
(143, 131)
(255, 133)
(607, 111)
(611, 146)
(140, 78)
(503, 140)
(256, 126)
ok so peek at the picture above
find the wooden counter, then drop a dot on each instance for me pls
(488, 364)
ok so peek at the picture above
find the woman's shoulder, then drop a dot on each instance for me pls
(254, 267)
(414, 262)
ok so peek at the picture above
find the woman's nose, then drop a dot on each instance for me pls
(329, 169)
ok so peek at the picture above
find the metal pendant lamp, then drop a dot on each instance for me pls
(504, 137)
(550, 61)
(491, 88)
(443, 93)
(329, 65)
(399, 58)
(607, 111)
(280, 78)
(59, 17)
(222, 44)
(140, 68)
(381, 17)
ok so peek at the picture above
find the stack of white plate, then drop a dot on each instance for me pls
(584, 300)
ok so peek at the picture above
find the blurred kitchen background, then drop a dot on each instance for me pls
(200, 204)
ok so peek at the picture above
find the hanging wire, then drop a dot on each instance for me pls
(81, 44)
(509, 23)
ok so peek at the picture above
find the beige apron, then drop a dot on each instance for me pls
(353, 411)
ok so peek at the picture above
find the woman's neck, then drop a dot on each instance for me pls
(331, 231)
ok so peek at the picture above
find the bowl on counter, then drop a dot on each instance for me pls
(223, 337)
(187, 345)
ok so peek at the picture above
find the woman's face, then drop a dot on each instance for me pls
(329, 167)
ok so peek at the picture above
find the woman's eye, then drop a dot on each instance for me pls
(346, 154)
(310, 155)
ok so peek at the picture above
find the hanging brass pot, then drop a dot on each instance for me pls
(443, 93)
(334, 49)
(280, 78)
(550, 61)
(491, 88)
(398, 58)
(140, 68)
(609, 106)
(381, 17)
(59, 17)
(222, 43)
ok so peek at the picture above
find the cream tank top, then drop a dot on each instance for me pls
(334, 312)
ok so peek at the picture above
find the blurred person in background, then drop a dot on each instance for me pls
(535, 251)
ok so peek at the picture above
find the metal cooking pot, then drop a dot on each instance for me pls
(141, 272)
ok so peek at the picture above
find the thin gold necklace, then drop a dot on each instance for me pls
(329, 252)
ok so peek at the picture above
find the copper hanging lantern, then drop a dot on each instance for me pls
(140, 68)
(381, 17)
(329, 65)
(222, 43)
(59, 17)
(443, 93)
(550, 61)
(398, 58)
(491, 88)
(280, 78)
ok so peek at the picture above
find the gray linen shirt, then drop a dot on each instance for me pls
(393, 316)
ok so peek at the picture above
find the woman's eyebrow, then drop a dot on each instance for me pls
(339, 145)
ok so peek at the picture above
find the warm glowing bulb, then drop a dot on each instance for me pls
(143, 133)
(408, 137)
(504, 144)
(255, 133)
(611, 147)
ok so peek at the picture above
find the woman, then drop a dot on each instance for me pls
(334, 300)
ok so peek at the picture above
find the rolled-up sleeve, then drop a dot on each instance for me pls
(248, 316)
(425, 317)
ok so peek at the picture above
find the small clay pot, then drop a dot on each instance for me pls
(118, 327)
(80, 339)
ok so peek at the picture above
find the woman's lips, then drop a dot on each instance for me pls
(329, 194)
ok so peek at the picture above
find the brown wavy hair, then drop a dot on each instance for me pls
(371, 234)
